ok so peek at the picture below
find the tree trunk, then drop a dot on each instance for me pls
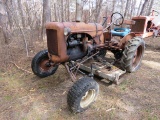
(113, 5)
(59, 12)
(132, 8)
(106, 14)
(7, 4)
(150, 7)
(144, 6)
(122, 6)
(46, 15)
(21, 12)
(55, 12)
(127, 8)
(98, 8)
(4, 24)
(139, 8)
(68, 10)
(78, 10)
(46, 11)
(62, 11)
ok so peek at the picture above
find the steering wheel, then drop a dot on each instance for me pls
(117, 19)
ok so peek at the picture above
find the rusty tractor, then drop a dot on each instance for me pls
(146, 26)
(73, 43)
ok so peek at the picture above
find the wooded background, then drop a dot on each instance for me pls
(22, 31)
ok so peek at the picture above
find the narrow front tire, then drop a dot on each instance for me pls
(41, 65)
(82, 94)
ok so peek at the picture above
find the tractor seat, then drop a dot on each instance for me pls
(120, 32)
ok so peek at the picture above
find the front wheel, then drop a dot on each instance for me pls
(82, 94)
(133, 54)
(41, 65)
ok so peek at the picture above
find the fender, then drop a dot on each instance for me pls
(125, 39)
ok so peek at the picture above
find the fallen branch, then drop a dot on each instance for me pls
(110, 109)
(21, 68)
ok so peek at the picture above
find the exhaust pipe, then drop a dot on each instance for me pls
(78, 10)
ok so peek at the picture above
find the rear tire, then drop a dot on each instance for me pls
(82, 94)
(133, 54)
(40, 67)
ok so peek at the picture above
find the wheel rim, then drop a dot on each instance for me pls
(43, 65)
(137, 56)
(88, 98)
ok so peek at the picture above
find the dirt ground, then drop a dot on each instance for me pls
(23, 96)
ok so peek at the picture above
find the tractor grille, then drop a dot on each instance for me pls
(138, 26)
(52, 41)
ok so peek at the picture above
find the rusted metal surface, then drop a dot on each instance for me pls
(137, 56)
(72, 76)
(52, 43)
(129, 22)
(43, 65)
(125, 39)
(142, 26)
(107, 36)
(102, 71)
(57, 41)
(77, 27)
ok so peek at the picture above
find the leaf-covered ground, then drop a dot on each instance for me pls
(24, 96)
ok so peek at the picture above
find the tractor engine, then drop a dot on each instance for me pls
(76, 46)
(72, 40)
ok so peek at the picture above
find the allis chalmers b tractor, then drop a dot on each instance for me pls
(73, 43)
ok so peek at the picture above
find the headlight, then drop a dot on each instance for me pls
(67, 31)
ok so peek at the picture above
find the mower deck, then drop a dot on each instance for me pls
(106, 71)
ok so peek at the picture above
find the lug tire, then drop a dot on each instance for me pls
(133, 54)
(38, 65)
(82, 94)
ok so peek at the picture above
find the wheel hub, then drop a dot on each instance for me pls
(48, 64)
(88, 98)
(45, 65)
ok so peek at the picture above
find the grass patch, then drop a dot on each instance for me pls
(112, 114)
(153, 118)
(148, 113)
(8, 98)
(123, 86)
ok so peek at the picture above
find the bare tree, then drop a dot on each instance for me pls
(127, 7)
(122, 6)
(143, 6)
(68, 10)
(98, 8)
(139, 8)
(133, 5)
(113, 5)
(55, 12)
(78, 10)
(21, 12)
(150, 7)
(46, 15)
(46, 11)
(62, 11)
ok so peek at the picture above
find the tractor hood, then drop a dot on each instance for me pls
(56, 40)
(93, 29)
